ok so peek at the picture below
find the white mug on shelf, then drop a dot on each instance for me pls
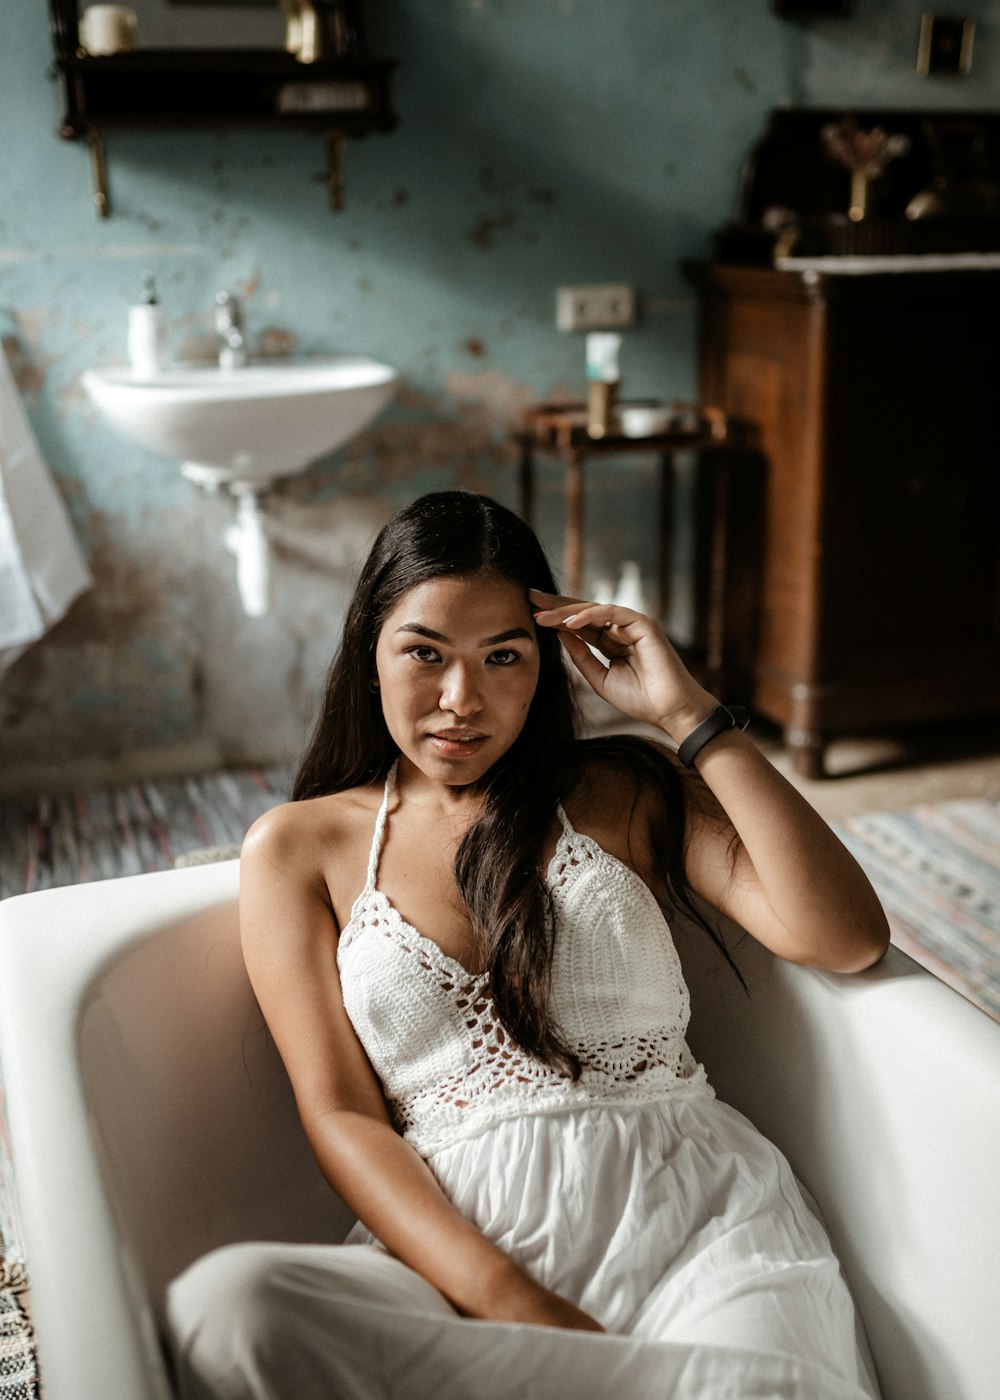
(107, 29)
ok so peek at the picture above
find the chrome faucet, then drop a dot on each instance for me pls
(229, 328)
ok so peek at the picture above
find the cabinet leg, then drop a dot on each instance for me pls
(807, 750)
(573, 558)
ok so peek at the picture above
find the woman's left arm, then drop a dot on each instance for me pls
(788, 880)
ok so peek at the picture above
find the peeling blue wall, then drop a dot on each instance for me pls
(541, 142)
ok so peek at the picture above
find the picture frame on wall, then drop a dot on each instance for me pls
(945, 46)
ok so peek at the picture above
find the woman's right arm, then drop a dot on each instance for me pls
(289, 936)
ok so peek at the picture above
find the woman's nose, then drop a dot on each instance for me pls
(460, 693)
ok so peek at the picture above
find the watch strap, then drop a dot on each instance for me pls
(723, 717)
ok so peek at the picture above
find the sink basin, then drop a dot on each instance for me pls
(246, 426)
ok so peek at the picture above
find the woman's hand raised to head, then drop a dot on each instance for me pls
(644, 677)
(789, 882)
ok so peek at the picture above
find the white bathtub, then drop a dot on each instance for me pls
(151, 1120)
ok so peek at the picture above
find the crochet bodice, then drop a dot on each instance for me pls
(448, 1067)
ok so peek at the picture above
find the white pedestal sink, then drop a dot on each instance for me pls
(243, 428)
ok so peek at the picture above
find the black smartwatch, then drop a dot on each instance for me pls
(723, 717)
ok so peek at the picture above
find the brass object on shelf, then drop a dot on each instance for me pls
(102, 202)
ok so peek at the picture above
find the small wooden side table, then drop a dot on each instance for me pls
(560, 430)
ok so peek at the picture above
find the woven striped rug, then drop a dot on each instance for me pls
(936, 869)
(101, 834)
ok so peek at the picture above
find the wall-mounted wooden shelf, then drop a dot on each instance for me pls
(234, 87)
(342, 97)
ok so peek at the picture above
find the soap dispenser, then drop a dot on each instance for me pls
(146, 331)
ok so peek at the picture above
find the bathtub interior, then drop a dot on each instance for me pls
(191, 1112)
(152, 1120)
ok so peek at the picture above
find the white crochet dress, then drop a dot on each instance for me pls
(633, 1192)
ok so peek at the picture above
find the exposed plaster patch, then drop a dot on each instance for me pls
(126, 592)
(29, 371)
(329, 538)
(495, 395)
(484, 232)
(71, 399)
(506, 191)
(463, 438)
(36, 321)
(274, 342)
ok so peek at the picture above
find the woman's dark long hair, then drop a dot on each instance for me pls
(498, 865)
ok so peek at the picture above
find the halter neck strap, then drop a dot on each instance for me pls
(378, 835)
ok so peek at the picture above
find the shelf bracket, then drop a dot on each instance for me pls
(102, 201)
(336, 145)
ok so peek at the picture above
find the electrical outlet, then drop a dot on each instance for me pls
(603, 308)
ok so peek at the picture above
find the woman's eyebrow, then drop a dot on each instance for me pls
(511, 635)
(422, 631)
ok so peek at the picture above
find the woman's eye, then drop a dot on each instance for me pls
(506, 657)
(423, 653)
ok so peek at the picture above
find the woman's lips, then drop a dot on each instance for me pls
(458, 745)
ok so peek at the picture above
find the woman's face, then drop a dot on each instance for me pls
(457, 664)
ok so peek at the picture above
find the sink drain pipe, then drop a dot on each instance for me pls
(247, 540)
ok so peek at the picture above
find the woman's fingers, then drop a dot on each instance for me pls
(548, 602)
(580, 616)
(614, 639)
(591, 668)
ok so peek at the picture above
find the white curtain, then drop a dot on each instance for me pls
(41, 566)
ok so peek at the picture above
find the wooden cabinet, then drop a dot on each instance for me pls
(877, 401)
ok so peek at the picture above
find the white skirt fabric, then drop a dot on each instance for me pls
(675, 1224)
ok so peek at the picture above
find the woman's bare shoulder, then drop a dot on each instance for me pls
(302, 834)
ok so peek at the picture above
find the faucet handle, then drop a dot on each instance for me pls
(227, 310)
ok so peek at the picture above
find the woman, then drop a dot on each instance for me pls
(455, 933)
